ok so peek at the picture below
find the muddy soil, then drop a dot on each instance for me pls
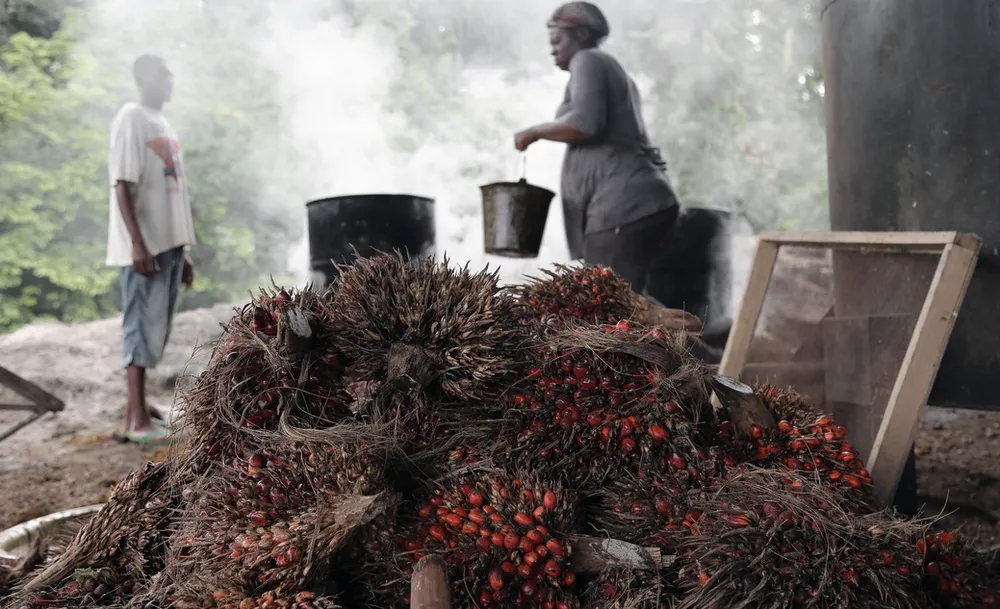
(69, 459)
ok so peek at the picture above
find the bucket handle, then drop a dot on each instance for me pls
(520, 174)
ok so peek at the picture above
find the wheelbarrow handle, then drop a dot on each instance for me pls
(429, 584)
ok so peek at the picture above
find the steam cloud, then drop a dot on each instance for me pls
(336, 115)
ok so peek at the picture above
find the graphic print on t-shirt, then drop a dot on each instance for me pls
(169, 151)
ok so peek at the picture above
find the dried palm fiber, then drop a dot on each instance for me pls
(250, 525)
(762, 542)
(127, 535)
(503, 537)
(234, 599)
(262, 376)
(604, 401)
(618, 589)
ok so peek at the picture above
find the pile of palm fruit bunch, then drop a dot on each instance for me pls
(412, 409)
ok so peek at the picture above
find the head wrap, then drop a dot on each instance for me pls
(581, 15)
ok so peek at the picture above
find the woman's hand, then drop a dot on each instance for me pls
(525, 138)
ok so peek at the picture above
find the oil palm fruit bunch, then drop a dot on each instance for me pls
(762, 541)
(254, 381)
(225, 598)
(423, 328)
(503, 538)
(590, 294)
(601, 402)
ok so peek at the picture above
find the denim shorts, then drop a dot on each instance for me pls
(148, 309)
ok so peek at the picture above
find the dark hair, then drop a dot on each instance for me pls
(146, 65)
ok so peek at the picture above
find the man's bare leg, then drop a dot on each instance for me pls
(137, 418)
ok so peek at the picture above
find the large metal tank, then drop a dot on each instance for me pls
(701, 267)
(913, 138)
(369, 224)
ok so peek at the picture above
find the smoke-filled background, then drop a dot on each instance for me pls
(278, 102)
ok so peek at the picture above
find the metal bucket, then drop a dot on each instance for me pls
(368, 223)
(16, 541)
(514, 216)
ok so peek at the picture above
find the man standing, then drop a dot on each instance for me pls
(150, 232)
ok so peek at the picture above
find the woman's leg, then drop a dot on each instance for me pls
(629, 249)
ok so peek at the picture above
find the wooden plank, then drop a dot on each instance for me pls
(741, 333)
(915, 242)
(916, 375)
(31, 391)
(21, 425)
(429, 584)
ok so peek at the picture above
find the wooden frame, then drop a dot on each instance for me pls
(41, 402)
(897, 431)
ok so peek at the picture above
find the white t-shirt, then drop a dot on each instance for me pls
(144, 151)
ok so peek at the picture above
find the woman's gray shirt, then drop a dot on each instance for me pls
(616, 176)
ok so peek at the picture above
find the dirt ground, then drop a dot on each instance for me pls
(69, 460)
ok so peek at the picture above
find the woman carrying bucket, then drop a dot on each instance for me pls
(618, 204)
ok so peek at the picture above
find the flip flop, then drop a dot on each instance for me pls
(157, 436)
(118, 435)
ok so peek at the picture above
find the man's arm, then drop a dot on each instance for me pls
(144, 263)
(125, 164)
(587, 116)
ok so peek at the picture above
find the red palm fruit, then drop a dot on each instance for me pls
(511, 540)
(549, 500)
(553, 568)
(531, 558)
(523, 519)
(498, 539)
(568, 579)
(659, 434)
(483, 544)
(609, 589)
(555, 548)
(496, 579)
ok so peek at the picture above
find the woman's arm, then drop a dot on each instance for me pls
(587, 116)
(558, 130)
